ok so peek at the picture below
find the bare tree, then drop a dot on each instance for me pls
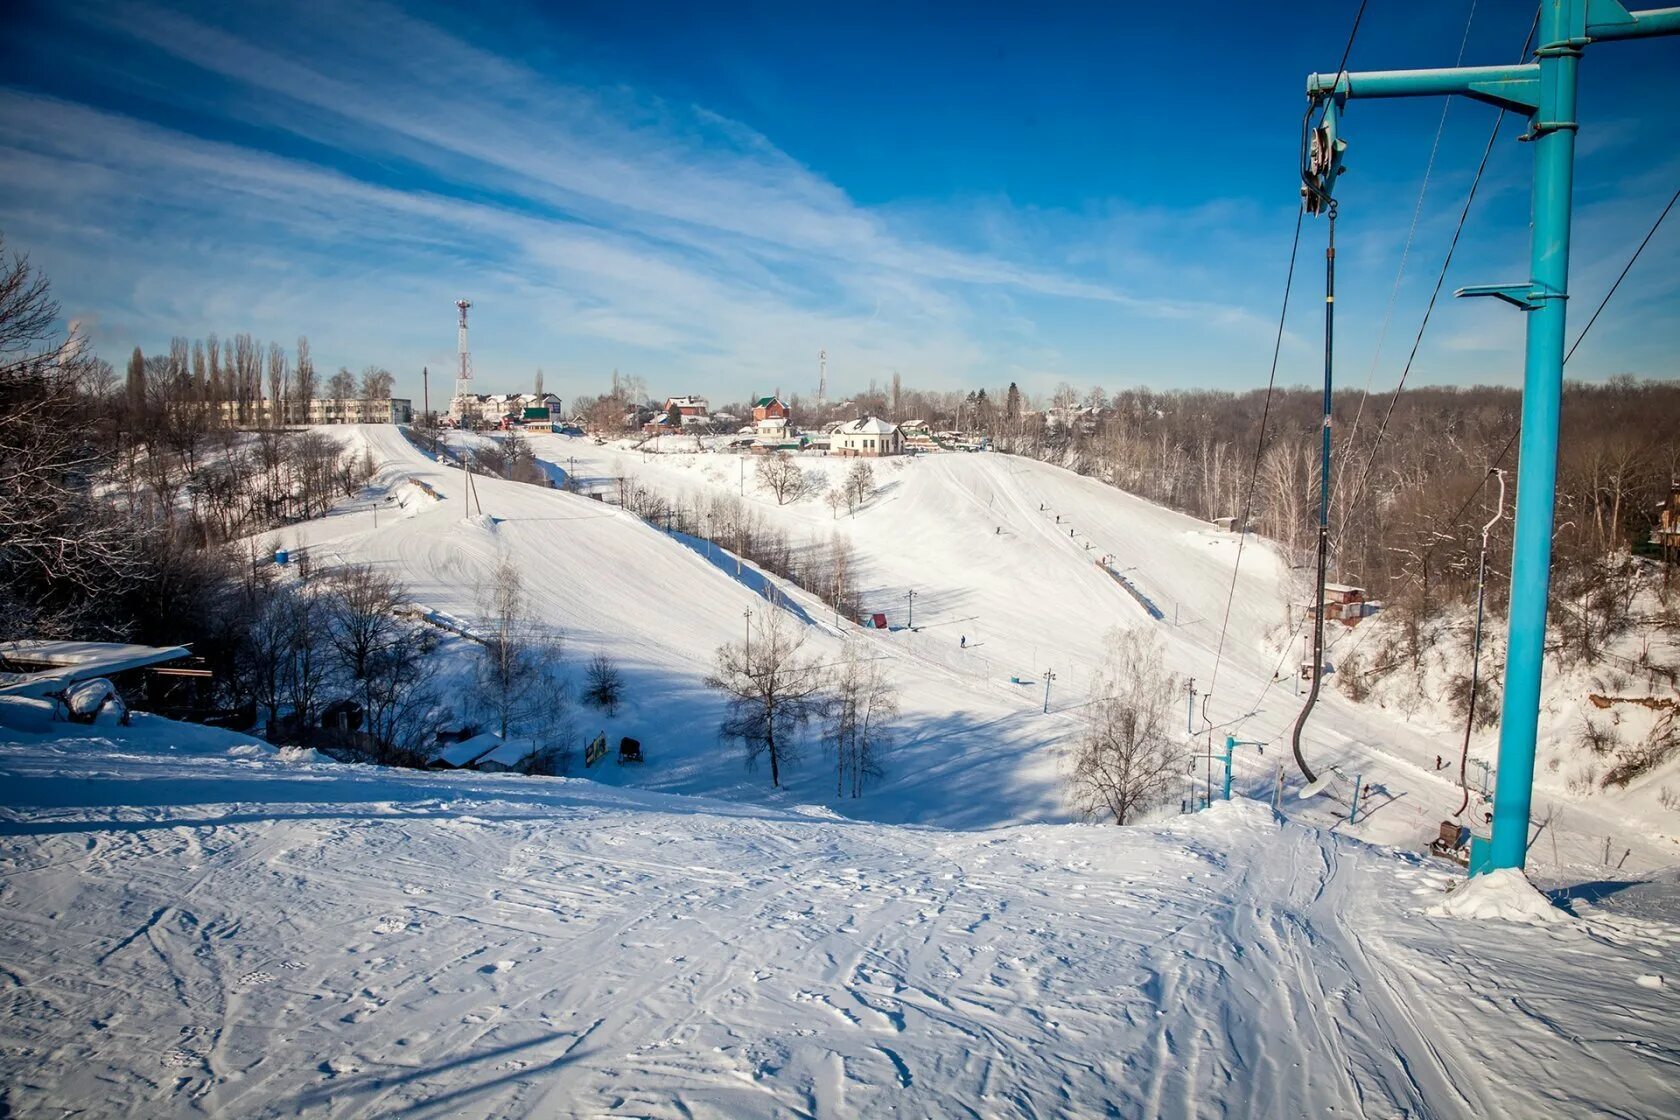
(342, 385)
(772, 690)
(779, 474)
(306, 655)
(860, 483)
(266, 652)
(861, 714)
(362, 625)
(376, 383)
(604, 684)
(514, 670)
(279, 383)
(60, 547)
(1126, 761)
(305, 380)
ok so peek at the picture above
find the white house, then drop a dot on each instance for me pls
(869, 437)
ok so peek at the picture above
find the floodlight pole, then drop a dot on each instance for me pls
(1544, 91)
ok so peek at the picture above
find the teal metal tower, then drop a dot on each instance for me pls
(1543, 91)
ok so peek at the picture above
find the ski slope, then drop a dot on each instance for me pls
(194, 927)
(985, 541)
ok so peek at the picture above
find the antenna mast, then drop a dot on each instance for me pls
(463, 375)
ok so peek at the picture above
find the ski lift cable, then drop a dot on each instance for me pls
(1440, 279)
(1259, 450)
(1512, 440)
(1494, 467)
(1411, 235)
(1476, 643)
(1271, 382)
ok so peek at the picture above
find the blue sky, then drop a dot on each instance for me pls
(705, 195)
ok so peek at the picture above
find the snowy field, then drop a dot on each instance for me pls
(186, 933)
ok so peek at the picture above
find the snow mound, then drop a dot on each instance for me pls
(26, 714)
(303, 755)
(251, 750)
(1505, 895)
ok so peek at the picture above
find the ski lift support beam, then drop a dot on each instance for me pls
(1545, 92)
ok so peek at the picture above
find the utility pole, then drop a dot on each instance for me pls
(1544, 91)
(910, 622)
(1049, 675)
(1190, 710)
(426, 393)
(747, 614)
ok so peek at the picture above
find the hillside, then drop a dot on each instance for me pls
(986, 542)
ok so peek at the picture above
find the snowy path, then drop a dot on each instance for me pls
(195, 935)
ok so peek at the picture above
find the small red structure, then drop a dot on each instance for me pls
(1343, 603)
(880, 621)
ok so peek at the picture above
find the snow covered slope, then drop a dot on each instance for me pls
(996, 548)
(187, 933)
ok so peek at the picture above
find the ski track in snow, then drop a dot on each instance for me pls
(494, 946)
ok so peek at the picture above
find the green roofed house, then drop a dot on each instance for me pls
(771, 417)
(538, 420)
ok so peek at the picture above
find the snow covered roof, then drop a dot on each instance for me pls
(508, 754)
(88, 658)
(868, 426)
(469, 751)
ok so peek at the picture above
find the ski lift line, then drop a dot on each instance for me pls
(1440, 279)
(1517, 431)
(1271, 379)
(1327, 206)
(1411, 235)
(1259, 445)
(1675, 197)
(1428, 311)
(1476, 643)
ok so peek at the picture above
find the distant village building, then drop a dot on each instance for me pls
(916, 436)
(1666, 535)
(678, 413)
(867, 438)
(771, 417)
(499, 410)
(329, 410)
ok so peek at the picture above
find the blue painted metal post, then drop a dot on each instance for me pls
(1353, 807)
(1531, 558)
(1230, 752)
(1544, 91)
